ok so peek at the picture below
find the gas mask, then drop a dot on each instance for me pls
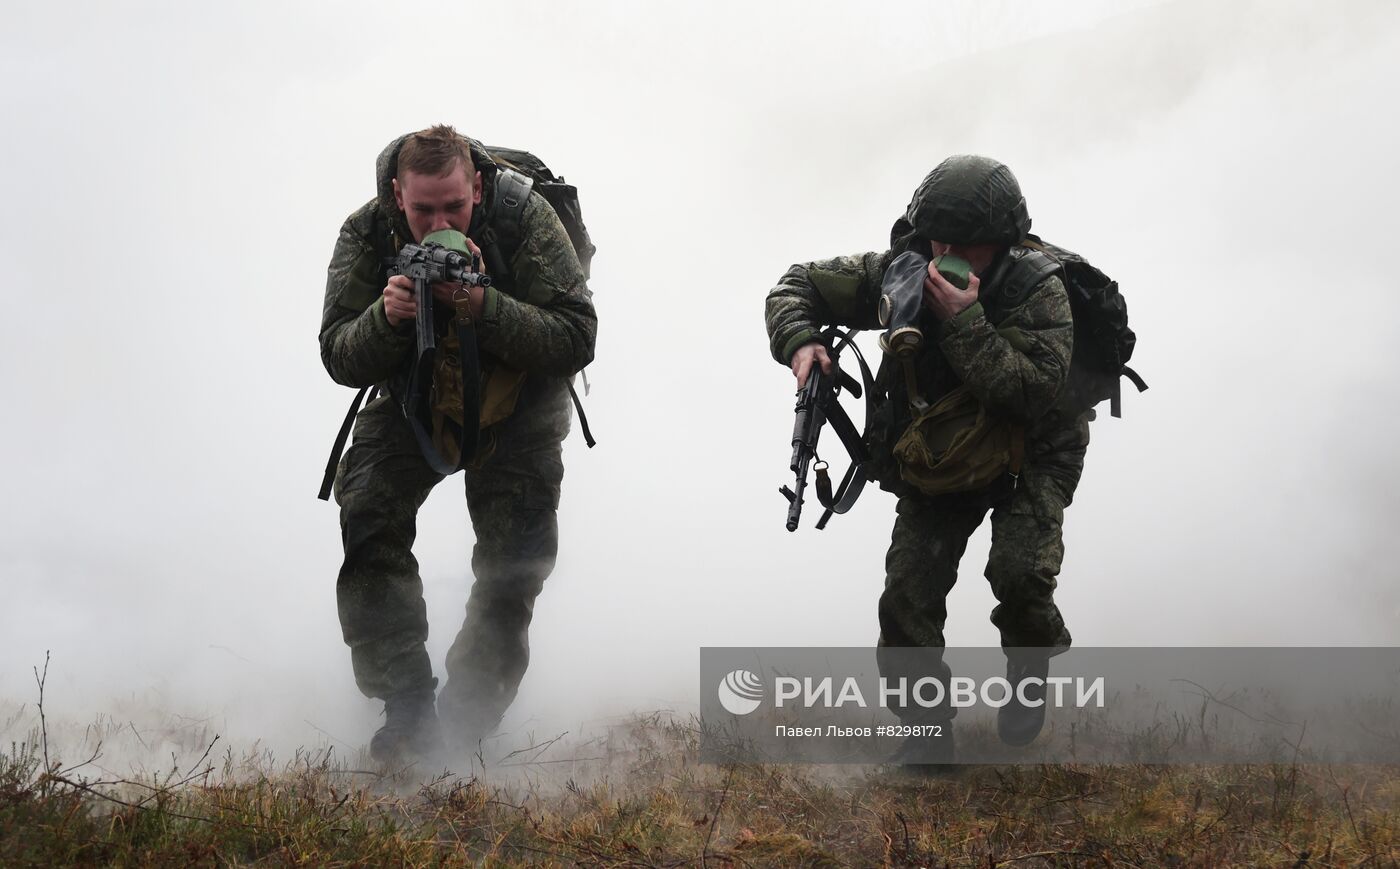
(902, 298)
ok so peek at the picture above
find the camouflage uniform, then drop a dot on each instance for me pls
(1012, 350)
(537, 317)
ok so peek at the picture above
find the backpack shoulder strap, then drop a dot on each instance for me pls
(1022, 272)
(333, 464)
(508, 210)
(508, 220)
(505, 229)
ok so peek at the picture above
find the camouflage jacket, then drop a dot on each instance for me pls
(1011, 348)
(537, 316)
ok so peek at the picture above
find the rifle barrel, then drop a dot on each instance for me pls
(795, 506)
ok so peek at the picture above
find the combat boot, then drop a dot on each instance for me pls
(410, 731)
(1020, 723)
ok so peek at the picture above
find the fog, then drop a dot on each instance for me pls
(177, 176)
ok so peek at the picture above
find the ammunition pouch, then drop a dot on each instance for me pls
(957, 446)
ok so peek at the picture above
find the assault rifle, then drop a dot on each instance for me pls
(818, 404)
(442, 257)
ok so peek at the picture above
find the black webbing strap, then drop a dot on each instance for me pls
(582, 417)
(467, 352)
(1137, 380)
(1115, 401)
(338, 449)
(857, 474)
(852, 484)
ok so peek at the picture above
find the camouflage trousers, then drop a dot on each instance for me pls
(929, 539)
(512, 500)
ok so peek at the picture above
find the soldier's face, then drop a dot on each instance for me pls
(435, 202)
(979, 256)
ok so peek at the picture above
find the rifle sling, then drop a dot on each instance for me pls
(471, 406)
(852, 484)
(845, 429)
(856, 476)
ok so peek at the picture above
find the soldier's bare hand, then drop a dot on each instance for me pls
(945, 300)
(481, 260)
(399, 305)
(802, 360)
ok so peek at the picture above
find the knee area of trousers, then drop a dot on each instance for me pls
(1035, 623)
(512, 569)
(508, 584)
(377, 545)
(363, 513)
(1030, 561)
(1023, 591)
(505, 599)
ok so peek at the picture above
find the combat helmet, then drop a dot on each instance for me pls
(969, 199)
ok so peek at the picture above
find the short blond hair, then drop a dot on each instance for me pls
(434, 151)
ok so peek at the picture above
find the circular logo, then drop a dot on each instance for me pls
(740, 692)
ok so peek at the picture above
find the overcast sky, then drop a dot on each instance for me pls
(178, 173)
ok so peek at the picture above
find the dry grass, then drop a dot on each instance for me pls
(648, 802)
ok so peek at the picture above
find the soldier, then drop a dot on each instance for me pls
(535, 326)
(1006, 341)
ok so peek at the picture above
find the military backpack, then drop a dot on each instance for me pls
(519, 172)
(513, 189)
(1103, 343)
